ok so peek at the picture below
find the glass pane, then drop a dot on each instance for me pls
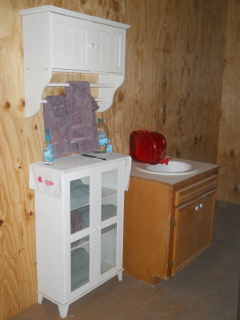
(79, 263)
(109, 194)
(79, 193)
(79, 219)
(108, 211)
(79, 202)
(108, 248)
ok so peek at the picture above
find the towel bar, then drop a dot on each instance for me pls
(96, 99)
(51, 84)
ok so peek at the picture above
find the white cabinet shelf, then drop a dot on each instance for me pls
(61, 40)
(78, 246)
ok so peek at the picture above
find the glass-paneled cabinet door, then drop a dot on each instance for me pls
(80, 263)
(109, 200)
(79, 228)
(79, 204)
(109, 213)
(109, 248)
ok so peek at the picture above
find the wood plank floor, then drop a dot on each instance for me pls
(208, 289)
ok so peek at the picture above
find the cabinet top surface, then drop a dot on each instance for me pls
(202, 167)
(74, 14)
(48, 179)
(77, 162)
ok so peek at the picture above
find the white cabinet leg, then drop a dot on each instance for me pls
(120, 276)
(40, 298)
(63, 310)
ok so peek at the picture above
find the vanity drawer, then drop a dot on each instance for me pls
(196, 190)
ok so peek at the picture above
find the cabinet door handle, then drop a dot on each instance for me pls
(201, 205)
(197, 208)
(91, 45)
(95, 229)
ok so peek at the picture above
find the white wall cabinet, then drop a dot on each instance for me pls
(79, 232)
(60, 40)
(87, 46)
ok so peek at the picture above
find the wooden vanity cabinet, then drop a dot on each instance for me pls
(167, 225)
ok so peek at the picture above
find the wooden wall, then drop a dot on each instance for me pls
(174, 79)
(174, 73)
(229, 136)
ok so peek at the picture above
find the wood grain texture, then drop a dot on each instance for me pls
(174, 76)
(229, 136)
(147, 230)
(21, 144)
(174, 73)
(159, 230)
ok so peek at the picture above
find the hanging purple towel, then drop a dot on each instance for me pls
(56, 119)
(82, 107)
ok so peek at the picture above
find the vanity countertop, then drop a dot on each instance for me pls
(173, 179)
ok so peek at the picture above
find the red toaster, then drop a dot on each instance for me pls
(147, 147)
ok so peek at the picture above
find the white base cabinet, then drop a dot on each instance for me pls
(79, 232)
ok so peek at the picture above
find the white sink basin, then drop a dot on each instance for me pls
(174, 167)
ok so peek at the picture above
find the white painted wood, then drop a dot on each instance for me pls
(56, 39)
(63, 310)
(99, 239)
(120, 276)
(70, 40)
(40, 298)
(37, 70)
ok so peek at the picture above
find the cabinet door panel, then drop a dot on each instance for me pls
(70, 43)
(204, 220)
(108, 248)
(78, 230)
(79, 203)
(111, 223)
(183, 247)
(106, 48)
(110, 195)
(193, 231)
(80, 263)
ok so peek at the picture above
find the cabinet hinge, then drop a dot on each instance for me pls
(174, 222)
(171, 264)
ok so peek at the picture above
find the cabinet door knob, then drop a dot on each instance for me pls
(91, 45)
(201, 205)
(197, 208)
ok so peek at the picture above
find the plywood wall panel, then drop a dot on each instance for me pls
(17, 249)
(21, 144)
(173, 60)
(229, 137)
(173, 85)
